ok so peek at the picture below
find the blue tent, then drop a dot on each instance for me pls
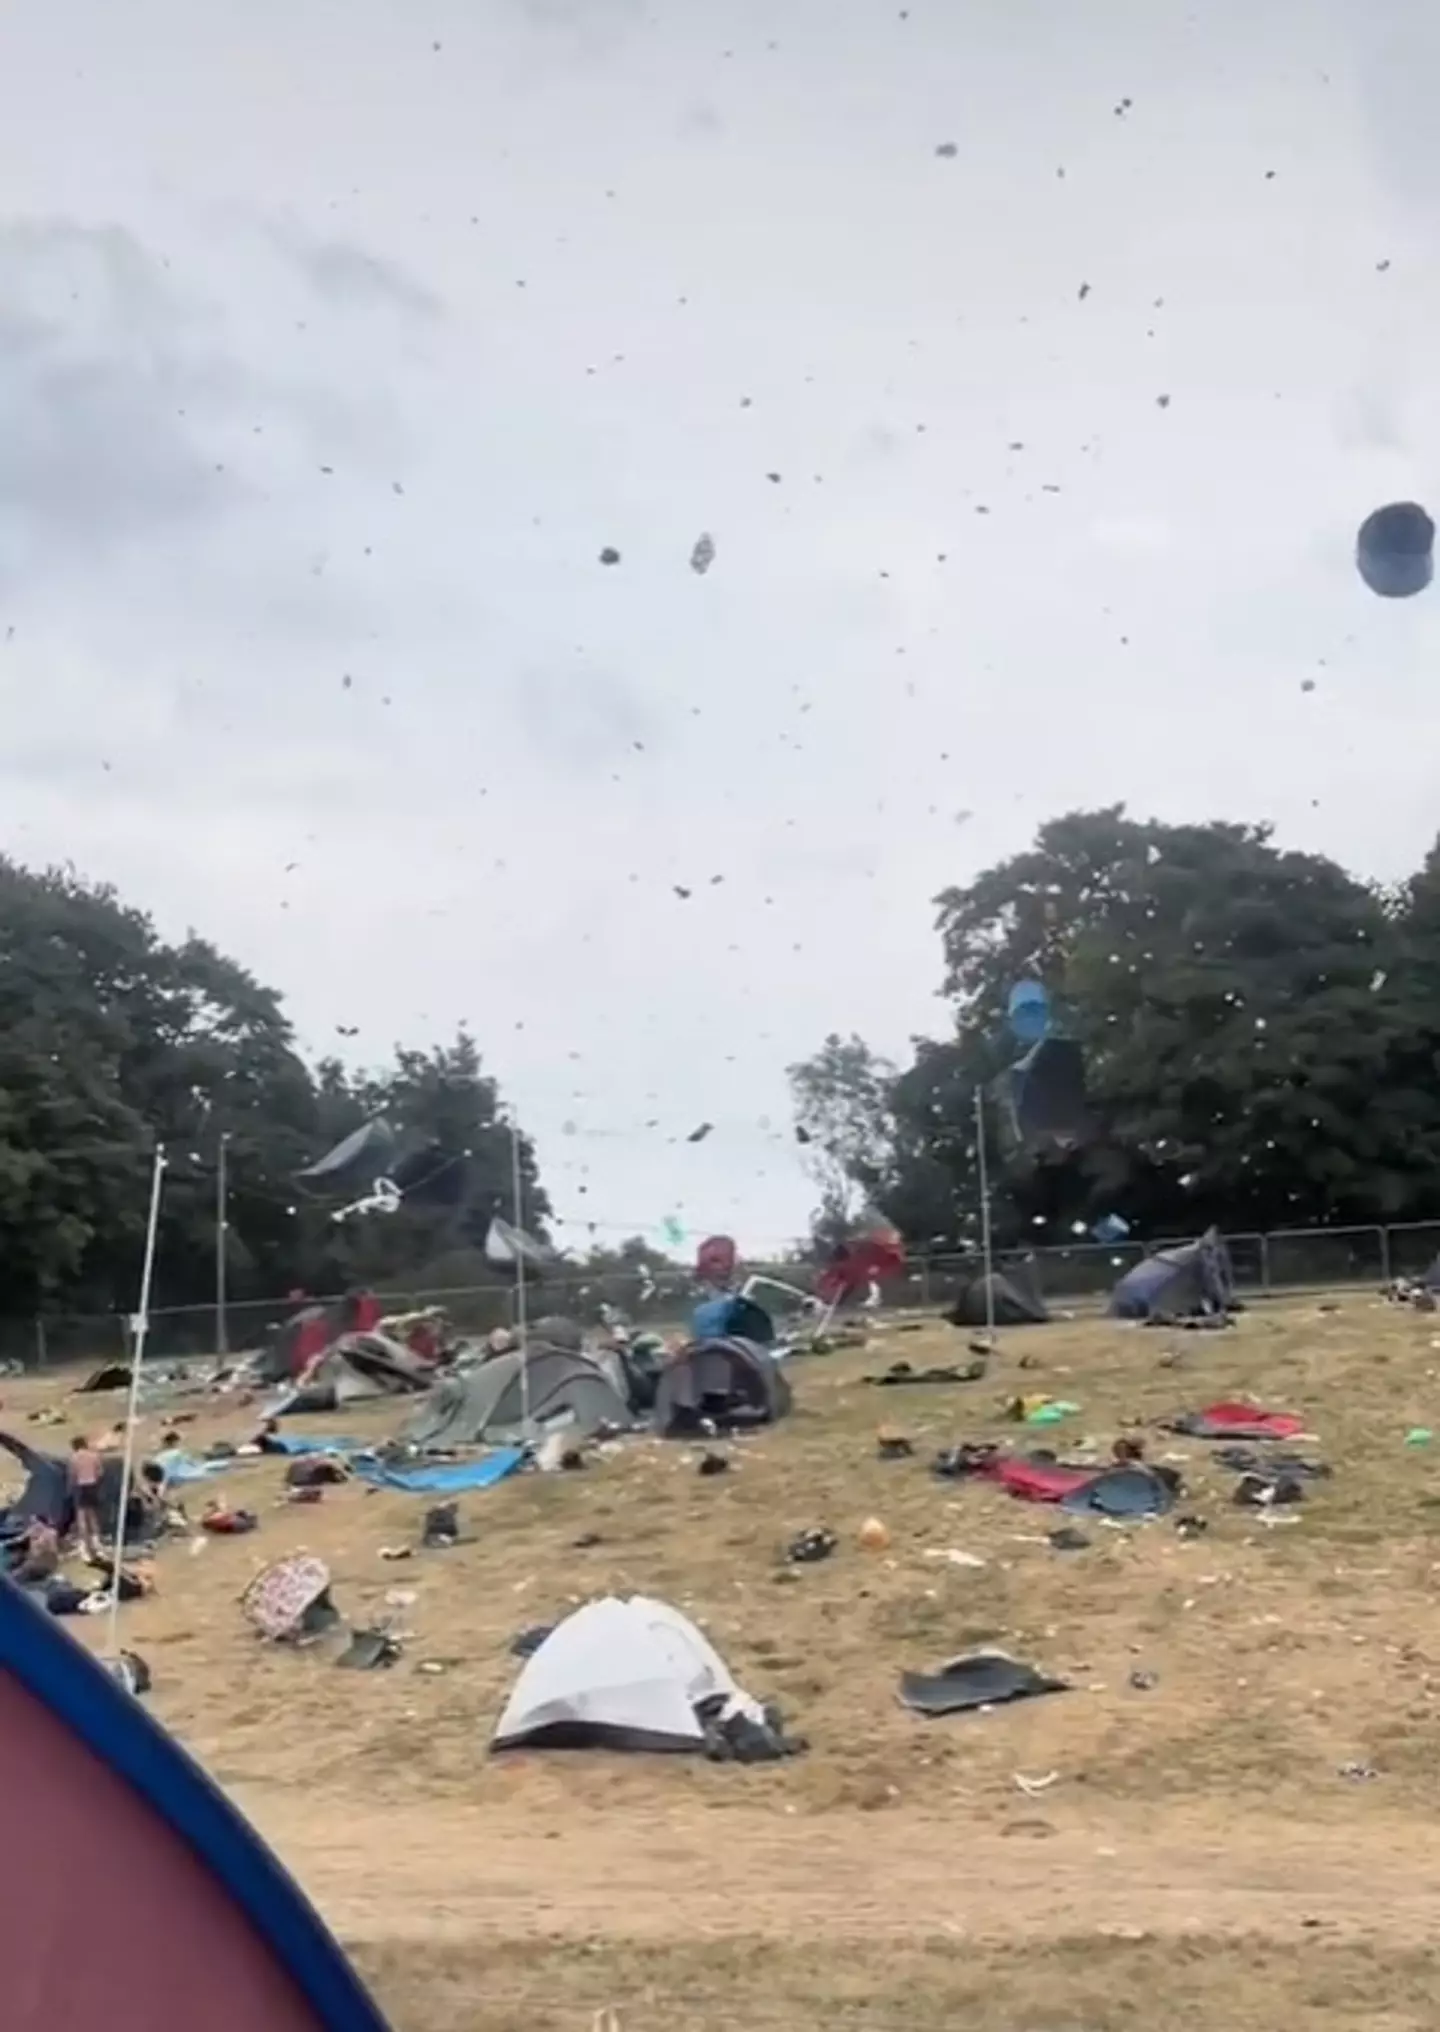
(188, 1920)
(1193, 1281)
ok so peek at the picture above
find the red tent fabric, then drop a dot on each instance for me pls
(1243, 1421)
(1037, 1481)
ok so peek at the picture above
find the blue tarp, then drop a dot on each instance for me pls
(184, 1467)
(312, 1442)
(444, 1478)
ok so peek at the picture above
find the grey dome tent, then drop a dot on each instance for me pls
(485, 1406)
(729, 1381)
(1193, 1281)
(1013, 1299)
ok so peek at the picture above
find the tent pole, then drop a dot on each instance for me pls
(222, 1230)
(985, 1215)
(516, 1193)
(132, 1409)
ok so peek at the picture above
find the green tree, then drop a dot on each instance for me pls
(844, 1122)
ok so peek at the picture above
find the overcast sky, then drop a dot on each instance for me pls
(1030, 367)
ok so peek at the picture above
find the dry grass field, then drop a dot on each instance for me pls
(1204, 1841)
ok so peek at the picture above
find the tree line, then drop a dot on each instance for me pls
(1261, 1032)
(112, 1039)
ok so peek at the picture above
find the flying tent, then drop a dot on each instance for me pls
(356, 1161)
(373, 1157)
(1041, 1098)
(1193, 1281)
(149, 1900)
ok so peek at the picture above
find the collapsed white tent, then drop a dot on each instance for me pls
(626, 1675)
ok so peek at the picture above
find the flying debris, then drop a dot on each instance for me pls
(1029, 1011)
(699, 1135)
(683, 893)
(716, 1261)
(506, 1244)
(609, 555)
(703, 555)
(1395, 550)
(803, 1135)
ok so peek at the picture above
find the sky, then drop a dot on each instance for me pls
(1030, 369)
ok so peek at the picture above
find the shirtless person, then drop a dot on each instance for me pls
(85, 1467)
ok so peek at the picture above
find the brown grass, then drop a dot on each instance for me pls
(895, 1875)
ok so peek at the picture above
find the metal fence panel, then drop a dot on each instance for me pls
(1081, 1273)
(1315, 1259)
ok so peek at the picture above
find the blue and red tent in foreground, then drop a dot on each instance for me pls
(132, 1894)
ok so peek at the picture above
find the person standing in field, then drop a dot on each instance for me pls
(85, 1468)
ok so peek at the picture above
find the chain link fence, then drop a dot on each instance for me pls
(1077, 1275)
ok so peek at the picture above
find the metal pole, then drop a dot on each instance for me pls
(517, 1197)
(132, 1412)
(222, 1231)
(985, 1215)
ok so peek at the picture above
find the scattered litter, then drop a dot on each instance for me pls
(873, 1534)
(1191, 1526)
(892, 1445)
(950, 1372)
(1144, 1682)
(525, 1643)
(713, 1464)
(132, 1673)
(1040, 1410)
(441, 1528)
(397, 1552)
(1068, 1539)
(979, 1680)
(953, 1557)
(703, 554)
(1257, 1492)
(1242, 1460)
(1031, 1786)
(368, 1650)
(1358, 1771)
(807, 1547)
(1419, 1435)
(401, 1598)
